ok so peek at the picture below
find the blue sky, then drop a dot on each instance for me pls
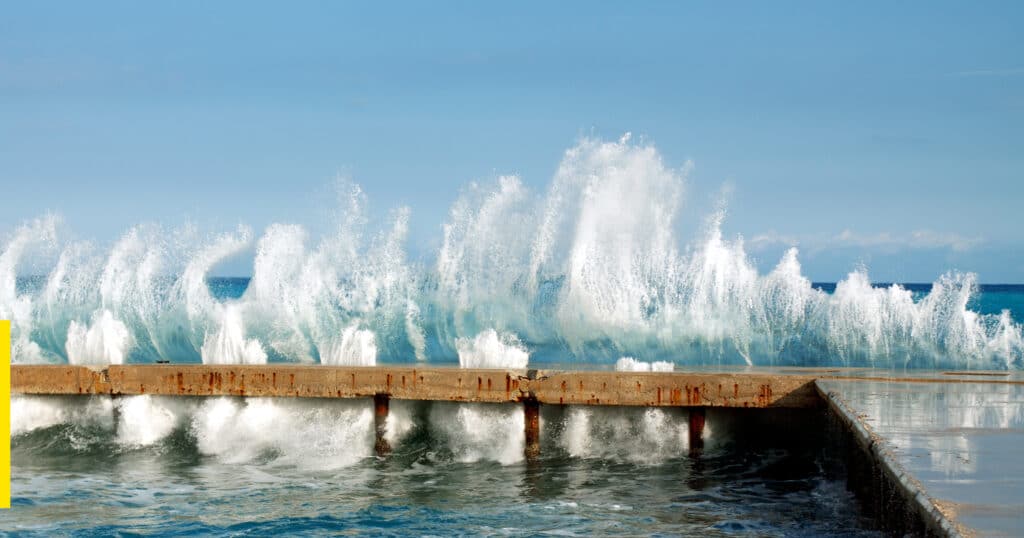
(875, 133)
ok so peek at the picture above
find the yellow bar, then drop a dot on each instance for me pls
(5, 414)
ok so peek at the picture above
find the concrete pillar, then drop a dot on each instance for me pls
(697, 418)
(531, 411)
(381, 403)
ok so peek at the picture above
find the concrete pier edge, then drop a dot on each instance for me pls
(875, 448)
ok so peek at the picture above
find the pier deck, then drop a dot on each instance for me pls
(669, 389)
(954, 449)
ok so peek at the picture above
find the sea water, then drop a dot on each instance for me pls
(265, 467)
(590, 273)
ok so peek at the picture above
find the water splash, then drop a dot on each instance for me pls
(591, 271)
(629, 364)
(309, 434)
(105, 341)
(18, 307)
(476, 432)
(492, 350)
(620, 434)
(146, 420)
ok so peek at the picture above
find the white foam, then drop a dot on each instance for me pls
(145, 420)
(401, 421)
(475, 432)
(104, 341)
(356, 347)
(29, 413)
(492, 350)
(312, 434)
(620, 434)
(629, 364)
(228, 344)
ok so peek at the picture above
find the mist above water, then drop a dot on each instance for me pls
(588, 272)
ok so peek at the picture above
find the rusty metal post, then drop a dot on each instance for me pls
(697, 418)
(531, 411)
(380, 420)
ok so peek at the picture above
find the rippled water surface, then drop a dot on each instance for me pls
(79, 479)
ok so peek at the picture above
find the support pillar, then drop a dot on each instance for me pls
(697, 417)
(381, 403)
(115, 400)
(531, 412)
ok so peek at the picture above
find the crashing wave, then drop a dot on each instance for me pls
(589, 271)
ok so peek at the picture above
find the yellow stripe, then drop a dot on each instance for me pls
(5, 414)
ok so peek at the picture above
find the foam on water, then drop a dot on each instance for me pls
(30, 413)
(480, 432)
(146, 420)
(590, 270)
(623, 434)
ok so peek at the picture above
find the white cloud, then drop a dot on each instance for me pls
(919, 239)
(771, 239)
(1008, 72)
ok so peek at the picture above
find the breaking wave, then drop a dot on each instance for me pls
(589, 271)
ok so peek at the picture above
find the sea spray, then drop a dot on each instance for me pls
(105, 341)
(636, 435)
(30, 413)
(588, 271)
(476, 432)
(492, 350)
(146, 420)
(311, 434)
(629, 364)
(227, 343)
(14, 305)
(354, 347)
(623, 434)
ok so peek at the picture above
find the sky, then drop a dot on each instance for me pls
(879, 134)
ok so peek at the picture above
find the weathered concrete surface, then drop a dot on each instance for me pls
(675, 389)
(953, 449)
(59, 379)
(670, 389)
(405, 383)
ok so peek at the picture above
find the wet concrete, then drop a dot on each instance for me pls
(956, 449)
